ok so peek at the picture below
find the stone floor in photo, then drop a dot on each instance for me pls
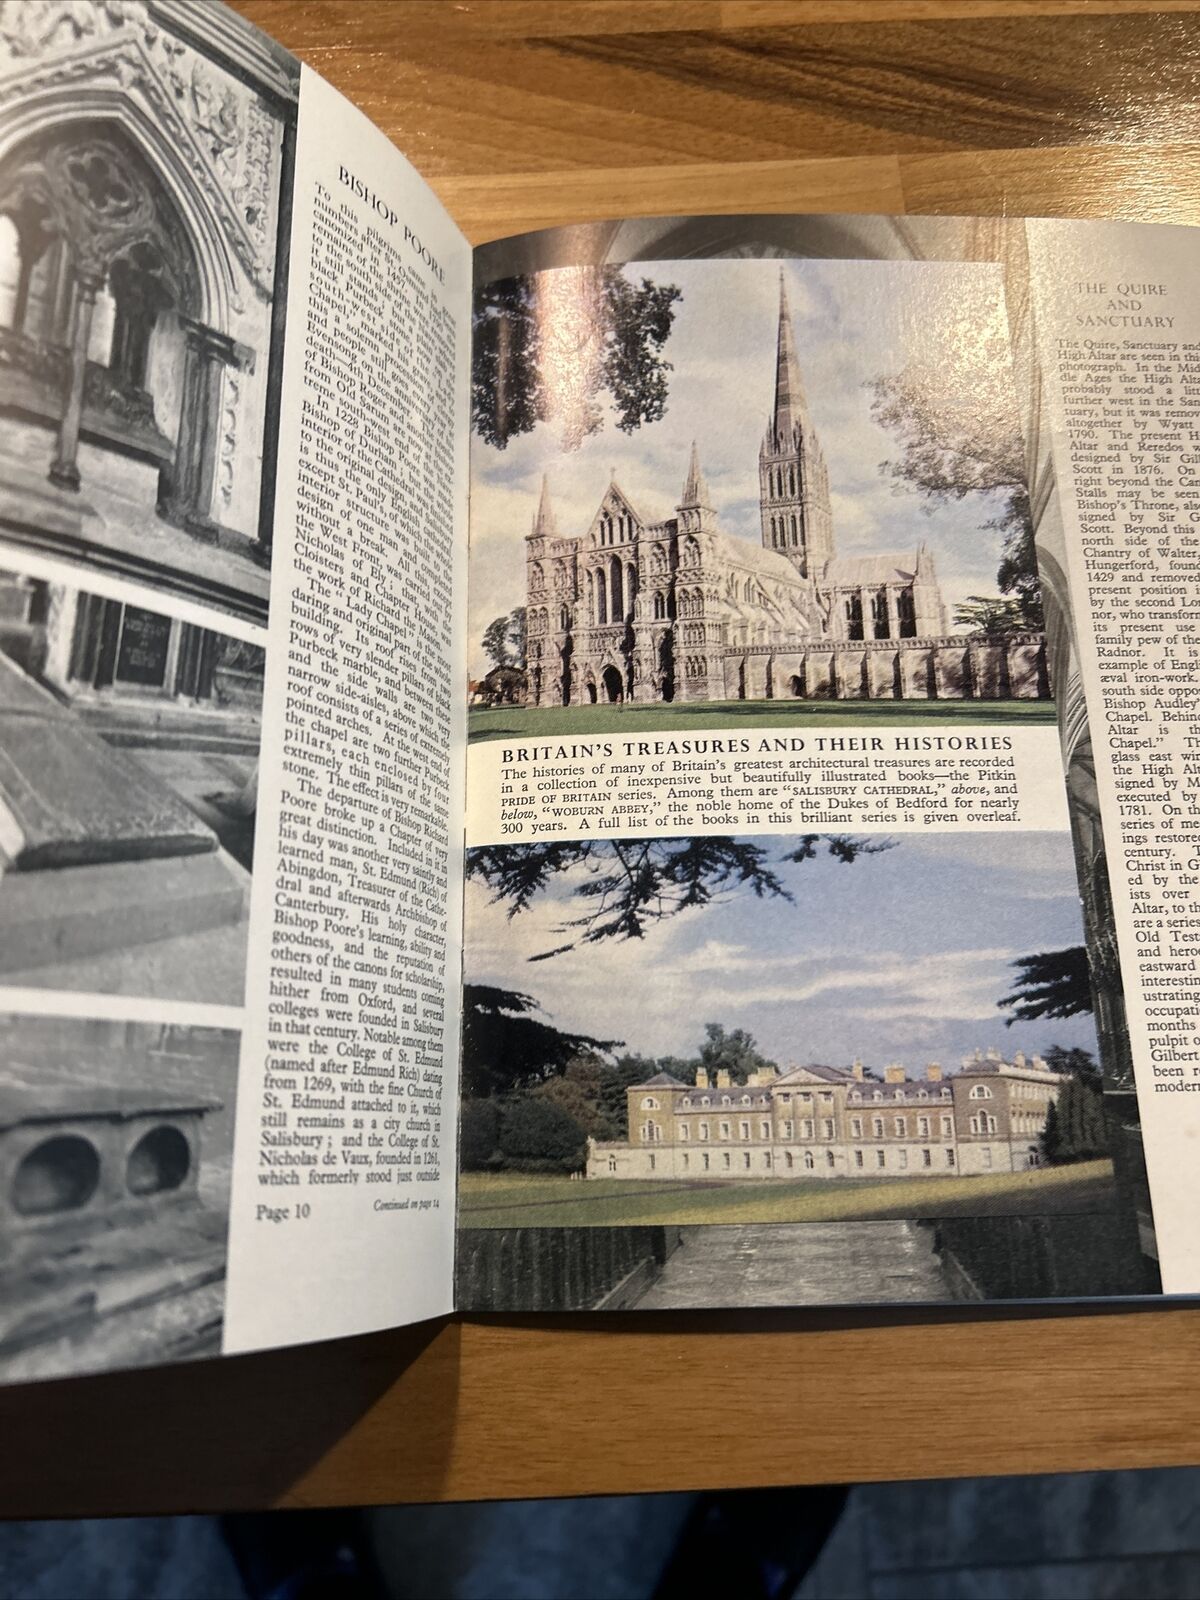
(811, 1263)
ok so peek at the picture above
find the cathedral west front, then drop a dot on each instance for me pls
(643, 611)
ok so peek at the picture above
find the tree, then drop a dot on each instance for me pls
(1075, 1128)
(1075, 1061)
(628, 885)
(959, 435)
(995, 616)
(1054, 983)
(734, 1052)
(505, 1047)
(495, 641)
(516, 636)
(478, 1135)
(538, 1136)
(547, 347)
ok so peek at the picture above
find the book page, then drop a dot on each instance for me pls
(232, 510)
(775, 978)
(1117, 324)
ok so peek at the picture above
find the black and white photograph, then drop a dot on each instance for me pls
(116, 1143)
(129, 746)
(145, 174)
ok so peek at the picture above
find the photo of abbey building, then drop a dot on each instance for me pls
(116, 1150)
(144, 182)
(679, 610)
(988, 1116)
(129, 745)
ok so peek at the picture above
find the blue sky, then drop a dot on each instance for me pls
(855, 320)
(895, 957)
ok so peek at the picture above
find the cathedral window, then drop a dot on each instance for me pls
(854, 617)
(795, 530)
(906, 611)
(879, 615)
(536, 576)
(564, 618)
(616, 592)
(660, 605)
(792, 488)
(601, 597)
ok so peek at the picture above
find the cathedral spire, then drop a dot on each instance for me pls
(695, 490)
(790, 404)
(544, 523)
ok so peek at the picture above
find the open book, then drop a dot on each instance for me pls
(650, 764)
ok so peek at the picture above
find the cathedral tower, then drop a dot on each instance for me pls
(793, 484)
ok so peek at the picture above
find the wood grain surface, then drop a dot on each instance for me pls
(526, 113)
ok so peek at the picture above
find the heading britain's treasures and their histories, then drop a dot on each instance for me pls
(647, 765)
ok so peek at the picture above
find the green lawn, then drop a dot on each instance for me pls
(525, 722)
(511, 1200)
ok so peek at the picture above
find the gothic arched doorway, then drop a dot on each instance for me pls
(614, 689)
(102, 312)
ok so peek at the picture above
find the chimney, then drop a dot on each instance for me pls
(933, 1072)
(894, 1074)
(856, 1070)
(702, 1077)
(722, 1077)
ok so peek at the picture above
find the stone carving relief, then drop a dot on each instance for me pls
(229, 421)
(217, 123)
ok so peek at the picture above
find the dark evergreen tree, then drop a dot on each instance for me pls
(550, 347)
(630, 884)
(1054, 983)
(478, 1135)
(538, 1136)
(505, 1046)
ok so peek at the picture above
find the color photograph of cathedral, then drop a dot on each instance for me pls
(763, 583)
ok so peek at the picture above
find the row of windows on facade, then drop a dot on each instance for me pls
(781, 482)
(722, 1161)
(881, 618)
(978, 1091)
(981, 1122)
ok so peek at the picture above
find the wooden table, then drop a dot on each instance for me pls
(527, 113)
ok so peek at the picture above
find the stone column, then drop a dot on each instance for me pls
(188, 499)
(64, 469)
